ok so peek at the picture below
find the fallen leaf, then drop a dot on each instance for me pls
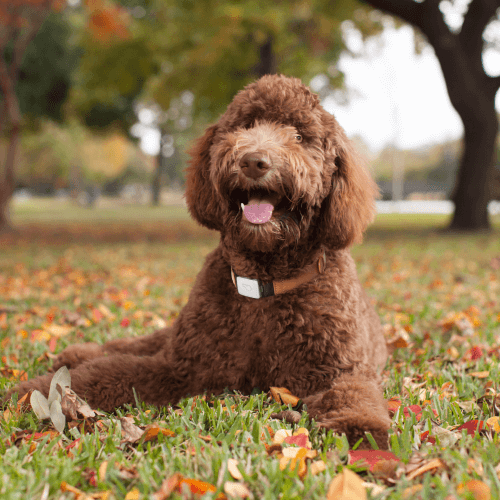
(472, 427)
(290, 416)
(493, 423)
(370, 457)
(168, 487)
(133, 494)
(232, 467)
(317, 467)
(131, 433)
(432, 465)
(280, 435)
(61, 379)
(236, 490)
(476, 488)
(346, 486)
(57, 416)
(151, 432)
(484, 374)
(283, 396)
(40, 405)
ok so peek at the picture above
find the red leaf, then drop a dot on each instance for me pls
(413, 408)
(125, 322)
(299, 440)
(472, 427)
(425, 437)
(370, 457)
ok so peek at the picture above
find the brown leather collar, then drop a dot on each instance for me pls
(257, 289)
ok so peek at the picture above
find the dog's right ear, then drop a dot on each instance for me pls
(203, 204)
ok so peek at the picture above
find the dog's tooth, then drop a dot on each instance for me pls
(242, 207)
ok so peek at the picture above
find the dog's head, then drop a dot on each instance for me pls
(278, 169)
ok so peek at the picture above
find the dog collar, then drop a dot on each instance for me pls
(257, 289)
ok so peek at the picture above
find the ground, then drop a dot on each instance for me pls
(91, 276)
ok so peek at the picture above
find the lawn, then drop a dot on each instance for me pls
(80, 279)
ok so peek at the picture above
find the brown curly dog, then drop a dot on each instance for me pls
(278, 302)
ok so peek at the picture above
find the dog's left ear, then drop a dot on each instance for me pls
(202, 203)
(350, 205)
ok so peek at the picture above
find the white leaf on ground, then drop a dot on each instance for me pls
(40, 405)
(57, 416)
(61, 378)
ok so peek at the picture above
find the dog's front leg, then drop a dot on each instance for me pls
(109, 382)
(353, 405)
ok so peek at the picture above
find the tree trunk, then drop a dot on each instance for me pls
(472, 191)
(7, 184)
(471, 92)
(267, 59)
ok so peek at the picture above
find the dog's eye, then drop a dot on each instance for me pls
(298, 138)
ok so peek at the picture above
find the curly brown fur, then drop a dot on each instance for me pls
(322, 340)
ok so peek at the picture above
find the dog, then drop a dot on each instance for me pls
(278, 302)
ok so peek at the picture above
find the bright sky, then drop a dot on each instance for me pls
(400, 97)
(397, 96)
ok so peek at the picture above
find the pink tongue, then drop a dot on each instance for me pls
(258, 213)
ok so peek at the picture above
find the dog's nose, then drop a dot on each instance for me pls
(254, 165)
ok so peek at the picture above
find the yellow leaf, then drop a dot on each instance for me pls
(133, 495)
(484, 374)
(346, 486)
(493, 423)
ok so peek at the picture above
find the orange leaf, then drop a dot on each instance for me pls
(478, 489)
(198, 487)
(284, 396)
(151, 433)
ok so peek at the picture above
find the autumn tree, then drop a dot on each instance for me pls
(472, 91)
(213, 48)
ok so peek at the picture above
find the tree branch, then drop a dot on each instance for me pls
(407, 10)
(477, 17)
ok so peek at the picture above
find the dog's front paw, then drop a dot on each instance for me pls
(356, 425)
(75, 355)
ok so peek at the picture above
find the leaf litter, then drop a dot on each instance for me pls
(441, 387)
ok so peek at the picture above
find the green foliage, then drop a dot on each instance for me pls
(45, 73)
(214, 48)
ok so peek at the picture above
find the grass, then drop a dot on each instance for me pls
(437, 296)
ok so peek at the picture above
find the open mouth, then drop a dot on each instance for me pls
(259, 205)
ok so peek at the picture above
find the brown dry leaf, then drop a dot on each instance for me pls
(236, 490)
(478, 489)
(346, 486)
(72, 405)
(290, 416)
(58, 330)
(484, 374)
(232, 467)
(152, 430)
(432, 465)
(283, 396)
(130, 432)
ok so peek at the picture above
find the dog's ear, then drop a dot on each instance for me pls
(203, 204)
(350, 205)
